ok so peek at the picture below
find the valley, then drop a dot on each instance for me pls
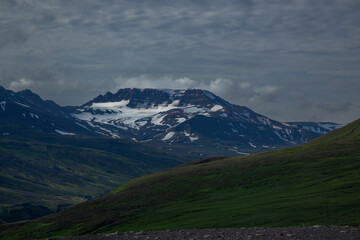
(47, 173)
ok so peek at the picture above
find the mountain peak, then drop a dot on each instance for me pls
(28, 91)
(149, 97)
(29, 95)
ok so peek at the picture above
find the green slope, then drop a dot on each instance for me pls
(317, 183)
(54, 172)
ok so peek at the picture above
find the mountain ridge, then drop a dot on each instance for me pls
(26, 109)
(166, 117)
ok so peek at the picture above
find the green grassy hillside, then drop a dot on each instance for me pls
(55, 172)
(317, 183)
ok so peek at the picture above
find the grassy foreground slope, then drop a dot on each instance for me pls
(40, 176)
(317, 183)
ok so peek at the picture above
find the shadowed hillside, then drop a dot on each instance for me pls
(46, 173)
(317, 183)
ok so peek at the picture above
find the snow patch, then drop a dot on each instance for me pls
(2, 104)
(330, 126)
(168, 136)
(315, 130)
(64, 133)
(180, 120)
(282, 138)
(141, 123)
(34, 115)
(252, 145)
(22, 104)
(131, 117)
(193, 138)
(244, 114)
(265, 121)
(234, 150)
(175, 103)
(205, 114)
(157, 119)
(216, 108)
(110, 105)
(193, 109)
(81, 125)
(276, 127)
(287, 131)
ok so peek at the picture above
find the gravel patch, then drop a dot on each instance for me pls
(304, 233)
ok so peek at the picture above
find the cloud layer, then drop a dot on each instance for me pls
(273, 56)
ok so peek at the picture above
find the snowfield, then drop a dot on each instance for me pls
(119, 114)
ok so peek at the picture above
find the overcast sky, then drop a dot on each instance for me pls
(288, 60)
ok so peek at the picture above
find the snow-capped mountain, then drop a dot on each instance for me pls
(190, 117)
(317, 127)
(150, 112)
(187, 116)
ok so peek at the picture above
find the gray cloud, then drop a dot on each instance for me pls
(23, 83)
(78, 48)
(14, 36)
(266, 93)
(337, 108)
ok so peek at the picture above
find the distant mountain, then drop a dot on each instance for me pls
(191, 116)
(317, 127)
(313, 184)
(170, 119)
(25, 109)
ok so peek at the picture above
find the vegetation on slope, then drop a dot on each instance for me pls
(47, 173)
(317, 183)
